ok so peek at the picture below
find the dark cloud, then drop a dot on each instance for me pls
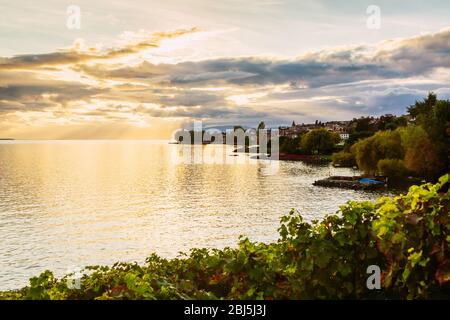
(61, 91)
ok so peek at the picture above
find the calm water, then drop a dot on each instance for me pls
(68, 204)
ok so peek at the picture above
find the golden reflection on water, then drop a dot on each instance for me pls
(66, 204)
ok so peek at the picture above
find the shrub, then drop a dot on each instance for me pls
(411, 144)
(421, 156)
(290, 145)
(320, 141)
(382, 145)
(343, 159)
(407, 236)
(392, 168)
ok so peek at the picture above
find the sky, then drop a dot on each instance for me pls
(141, 69)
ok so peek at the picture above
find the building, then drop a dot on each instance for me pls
(297, 129)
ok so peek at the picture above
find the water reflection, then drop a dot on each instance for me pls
(74, 203)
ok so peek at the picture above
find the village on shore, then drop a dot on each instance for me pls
(405, 149)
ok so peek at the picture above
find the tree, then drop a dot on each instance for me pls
(382, 145)
(319, 141)
(434, 116)
(436, 126)
(396, 123)
(393, 168)
(360, 128)
(363, 124)
(390, 122)
(343, 159)
(412, 145)
(422, 108)
(421, 155)
(290, 145)
(261, 125)
(384, 120)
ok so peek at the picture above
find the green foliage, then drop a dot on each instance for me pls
(343, 159)
(421, 154)
(433, 116)
(392, 168)
(395, 123)
(261, 125)
(365, 127)
(382, 145)
(413, 236)
(319, 141)
(421, 109)
(290, 145)
(407, 236)
(360, 128)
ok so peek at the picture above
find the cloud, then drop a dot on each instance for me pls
(84, 84)
(392, 59)
(57, 90)
(76, 54)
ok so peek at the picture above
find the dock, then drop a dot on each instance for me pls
(355, 183)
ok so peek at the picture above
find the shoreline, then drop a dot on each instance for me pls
(229, 273)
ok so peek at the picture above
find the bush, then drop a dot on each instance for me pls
(290, 145)
(382, 145)
(394, 169)
(319, 141)
(407, 236)
(422, 144)
(343, 159)
(421, 155)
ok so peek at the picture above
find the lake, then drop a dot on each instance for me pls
(67, 204)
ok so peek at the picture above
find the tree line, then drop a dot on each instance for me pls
(416, 144)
